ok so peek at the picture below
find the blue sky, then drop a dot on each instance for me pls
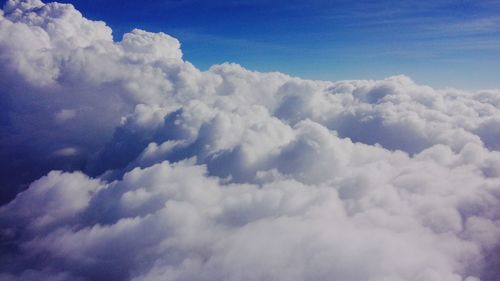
(440, 43)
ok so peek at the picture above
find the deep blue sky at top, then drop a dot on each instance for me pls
(440, 43)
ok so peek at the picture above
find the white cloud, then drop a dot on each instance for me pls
(174, 222)
(230, 174)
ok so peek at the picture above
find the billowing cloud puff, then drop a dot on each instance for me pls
(122, 161)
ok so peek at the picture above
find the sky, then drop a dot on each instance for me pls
(440, 43)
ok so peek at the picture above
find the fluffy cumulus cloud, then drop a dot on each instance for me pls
(122, 161)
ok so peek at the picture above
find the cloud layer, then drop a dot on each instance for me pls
(129, 163)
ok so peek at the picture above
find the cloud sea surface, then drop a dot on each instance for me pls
(129, 163)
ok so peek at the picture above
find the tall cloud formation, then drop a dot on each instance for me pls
(143, 167)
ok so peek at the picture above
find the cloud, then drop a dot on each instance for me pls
(128, 163)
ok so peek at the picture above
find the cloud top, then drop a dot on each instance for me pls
(122, 161)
